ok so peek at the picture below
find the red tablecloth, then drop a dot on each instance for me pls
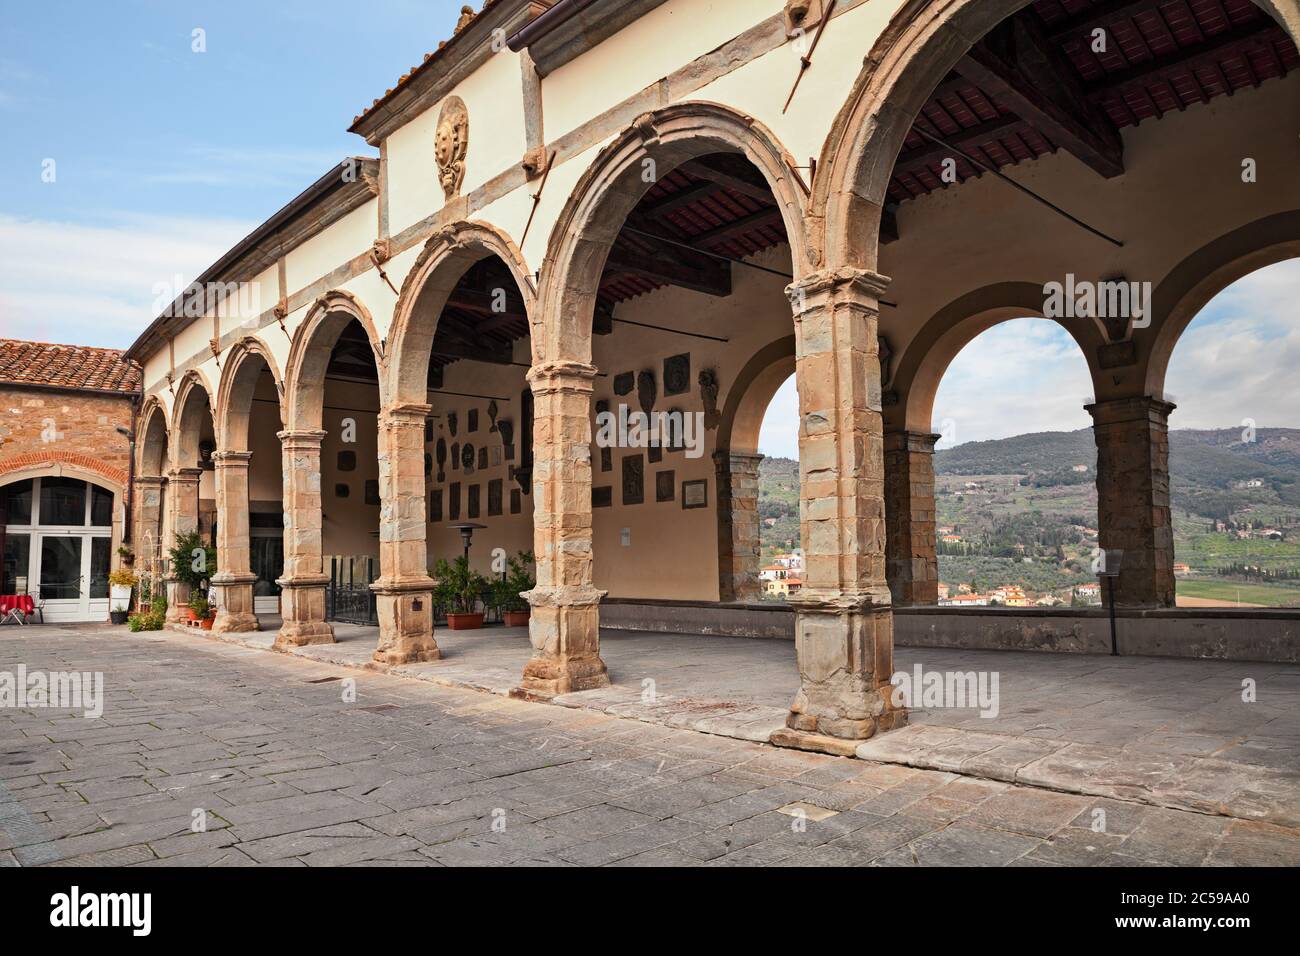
(24, 603)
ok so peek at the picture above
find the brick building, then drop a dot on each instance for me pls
(64, 472)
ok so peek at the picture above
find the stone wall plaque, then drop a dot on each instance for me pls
(516, 501)
(646, 391)
(428, 465)
(372, 491)
(347, 461)
(665, 485)
(455, 456)
(467, 458)
(483, 458)
(633, 480)
(428, 430)
(341, 490)
(453, 421)
(453, 501)
(435, 505)
(451, 144)
(492, 411)
(602, 497)
(655, 454)
(495, 488)
(474, 493)
(441, 451)
(624, 382)
(472, 425)
(606, 459)
(677, 374)
(709, 395)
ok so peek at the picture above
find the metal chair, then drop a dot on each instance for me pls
(40, 605)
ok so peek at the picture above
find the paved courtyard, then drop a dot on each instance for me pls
(288, 772)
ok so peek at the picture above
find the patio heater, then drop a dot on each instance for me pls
(466, 529)
(1112, 558)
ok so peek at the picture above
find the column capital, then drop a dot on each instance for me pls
(405, 413)
(1140, 408)
(302, 438)
(232, 459)
(561, 376)
(845, 282)
(737, 462)
(903, 440)
(156, 481)
(185, 475)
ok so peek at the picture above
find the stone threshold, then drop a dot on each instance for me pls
(1196, 784)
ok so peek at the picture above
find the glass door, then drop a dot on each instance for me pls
(62, 576)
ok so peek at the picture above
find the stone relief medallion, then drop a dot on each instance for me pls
(450, 145)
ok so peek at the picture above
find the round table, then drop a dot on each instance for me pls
(25, 604)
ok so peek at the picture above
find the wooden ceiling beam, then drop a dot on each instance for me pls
(715, 279)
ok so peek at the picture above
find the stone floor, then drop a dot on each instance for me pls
(1170, 732)
(284, 768)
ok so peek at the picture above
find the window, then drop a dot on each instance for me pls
(17, 560)
(101, 507)
(63, 501)
(16, 502)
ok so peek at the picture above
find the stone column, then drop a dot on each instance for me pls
(183, 505)
(738, 527)
(844, 625)
(1132, 437)
(565, 625)
(234, 578)
(302, 587)
(404, 590)
(912, 565)
(147, 535)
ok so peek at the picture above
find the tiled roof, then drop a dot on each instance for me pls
(67, 366)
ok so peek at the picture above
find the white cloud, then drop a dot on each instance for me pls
(94, 284)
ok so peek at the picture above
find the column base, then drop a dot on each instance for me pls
(302, 606)
(229, 622)
(566, 645)
(405, 611)
(303, 634)
(845, 655)
(234, 603)
(178, 599)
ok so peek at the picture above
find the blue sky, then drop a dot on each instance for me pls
(164, 157)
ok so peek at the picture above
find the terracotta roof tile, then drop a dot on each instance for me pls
(66, 366)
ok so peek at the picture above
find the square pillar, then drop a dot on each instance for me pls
(564, 627)
(1132, 437)
(739, 545)
(302, 587)
(404, 590)
(147, 533)
(844, 625)
(912, 564)
(183, 508)
(234, 578)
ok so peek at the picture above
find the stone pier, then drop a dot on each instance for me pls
(739, 561)
(565, 625)
(912, 565)
(183, 506)
(844, 623)
(234, 578)
(302, 587)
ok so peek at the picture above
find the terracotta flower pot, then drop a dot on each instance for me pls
(517, 618)
(206, 623)
(192, 616)
(465, 622)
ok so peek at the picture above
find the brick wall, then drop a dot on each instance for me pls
(38, 426)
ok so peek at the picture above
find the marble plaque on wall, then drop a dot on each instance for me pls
(665, 485)
(453, 501)
(633, 480)
(495, 488)
(474, 492)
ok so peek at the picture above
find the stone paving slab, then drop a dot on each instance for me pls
(417, 773)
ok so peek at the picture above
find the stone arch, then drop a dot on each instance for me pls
(612, 186)
(154, 433)
(441, 264)
(244, 364)
(192, 394)
(918, 48)
(931, 351)
(303, 399)
(64, 464)
(1190, 285)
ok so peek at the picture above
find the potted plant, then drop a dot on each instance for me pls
(127, 555)
(460, 586)
(144, 597)
(121, 582)
(520, 578)
(199, 607)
